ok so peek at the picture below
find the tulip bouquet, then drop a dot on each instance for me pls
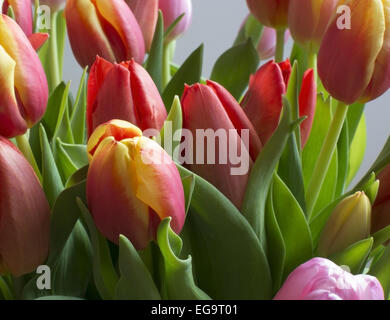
(153, 182)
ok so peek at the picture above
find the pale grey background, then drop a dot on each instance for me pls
(215, 23)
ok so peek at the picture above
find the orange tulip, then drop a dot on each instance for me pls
(271, 13)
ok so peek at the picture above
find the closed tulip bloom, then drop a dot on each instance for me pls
(24, 214)
(23, 84)
(263, 102)
(106, 28)
(123, 91)
(172, 9)
(353, 63)
(349, 222)
(146, 13)
(381, 207)
(321, 279)
(23, 13)
(267, 44)
(271, 13)
(132, 184)
(212, 107)
(309, 19)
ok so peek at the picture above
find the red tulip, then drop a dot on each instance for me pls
(23, 84)
(132, 184)
(123, 91)
(104, 27)
(173, 9)
(381, 209)
(24, 214)
(146, 13)
(212, 107)
(263, 101)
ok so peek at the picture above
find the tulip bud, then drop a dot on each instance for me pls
(146, 13)
(132, 184)
(381, 207)
(267, 44)
(264, 100)
(321, 279)
(212, 107)
(23, 13)
(24, 214)
(309, 19)
(349, 222)
(123, 91)
(173, 9)
(23, 84)
(106, 28)
(353, 62)
(270, 13)
(54, 5)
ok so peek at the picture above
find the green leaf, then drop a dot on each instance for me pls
(354, 117)
(293, 226)
(343, 160)
(227, 257)
(277, 255)
(188, 186)
(72, 272)
(170, 135)
(357, 149)
(381, 236)
(155, 59)
(381, 270)
(299, 54)
(189, 73)
(260, 178)
(178, 279)
(52, 183)
(355, 256)
(63, 127)
(61, 37)
(77, 118)
(234, 67)
(103, 270)
(135, 282)
(173, 25)
(252, 29)
(58, 298)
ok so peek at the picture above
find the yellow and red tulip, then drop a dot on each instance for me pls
(123, 91)
(309, 19)
(349, 222)
(23, 84)
(263, 102)
(271, 13)
(24, 214)
(212, 107)
(106, 28)
(146, 13)
(132, 184)
(353, 63)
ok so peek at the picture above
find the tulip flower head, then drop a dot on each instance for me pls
(263, 101)
(123, 91)
(349, 222)
(267, 44)
(132, 184)
(23, 13)
(173, 9)
(321, 279)
(271, 13)
(309, 19)
(353, 64)
(24, 214)
(211, 107)
(106, 28)
(23, 84)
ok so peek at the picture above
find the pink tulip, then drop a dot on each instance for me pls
(263, 101)
(23, 84)
(123, 91)
(23, 14)
(132, 184)
(24, 214)
(267, 44)
(321, 279)
(212, 107)
(146, 13)
(171, 10)
(106, 28)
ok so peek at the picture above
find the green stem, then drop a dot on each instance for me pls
(53, 53)
(5, 289)
(167, 58)
(25, 148)
(325, 157)
(312, 63)
(279, 50)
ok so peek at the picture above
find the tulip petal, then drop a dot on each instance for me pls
(23, 14)
(37, 40)
(24, 214)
